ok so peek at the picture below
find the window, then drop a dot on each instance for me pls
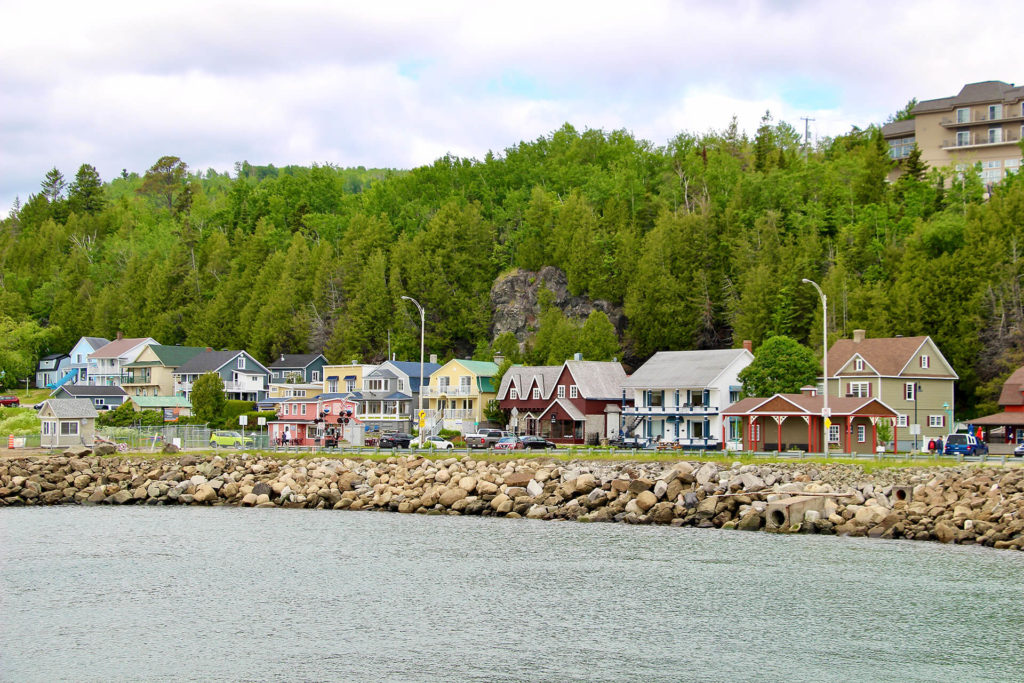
(574, 392)
(99, 401)
(303, 411)
(925, 362)
(755, 432)
(69, 428)
(315, 375)
(963, 137)
(656, 398)
(862, 434)
(46, 427)
(995, 111)
(513, 394)
(859, 389)
(858, 365)
(350, 385)
(902, 421)
(536, 394)
(1013, 165)
(995, 134)
(936, 420)
(561, 391)
(833, 434)
(908, 391)
(401, 384)
(241, 362)
(332, 385)
(277, 375)
(734, 395)
(963, 115)
(464, 382)
(900, 148)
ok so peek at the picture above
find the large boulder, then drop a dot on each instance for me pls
(450, 496)
(646, 500)
(205, 494)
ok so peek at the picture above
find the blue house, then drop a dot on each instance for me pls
(105, 397)
(78, 368)
(51, 369)
(245, 378)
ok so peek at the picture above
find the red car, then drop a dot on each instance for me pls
(8, 401)
(509, 443)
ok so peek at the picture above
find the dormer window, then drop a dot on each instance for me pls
(536, 394)
(561, 391)
(574, 392)
(513, 394)
(925, 362)
(858, 365)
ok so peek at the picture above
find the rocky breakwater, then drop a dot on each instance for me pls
(961, 505)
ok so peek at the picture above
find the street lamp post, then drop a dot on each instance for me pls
(825, 413)
(419, 409)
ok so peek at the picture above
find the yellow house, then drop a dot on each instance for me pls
(151, 373)
(457, 395)
(345, 379)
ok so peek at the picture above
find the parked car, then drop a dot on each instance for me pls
(395, 440)
(964, 444)
(509, 443)
(537, 442)
(438, 442)
(1019, 450)
(9, 401)
(235, 439)
(485, 438)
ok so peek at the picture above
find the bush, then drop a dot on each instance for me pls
(450, 434)
(125, 415)
(18, 421)
(229, 416)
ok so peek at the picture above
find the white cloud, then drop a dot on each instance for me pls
(398, 84)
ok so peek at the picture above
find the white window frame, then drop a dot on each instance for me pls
(66, 428)
(909, 392)
(858, 364)
(561, 391)
(995, 112)
(834, 434)
(925, 361)
(315, 375)
(536, 393)
(513, 394)
(936, 421)
(963, 138)
(241, 363)
(860, 389)
(862, 433)
(995, 135)
(465, 381)
(574, 391)
(902, 421)
(963, 115)
(303, 412)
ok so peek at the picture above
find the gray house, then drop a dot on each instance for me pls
(298, 368)
(67, 422)
(102, 397)
(245, 378)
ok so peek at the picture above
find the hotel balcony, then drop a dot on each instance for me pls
(980, 141)
(666, 411)
(953, 122)
(435, 392)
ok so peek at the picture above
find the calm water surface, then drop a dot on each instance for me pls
(179, 593)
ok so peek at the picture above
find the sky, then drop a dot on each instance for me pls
(399, 84)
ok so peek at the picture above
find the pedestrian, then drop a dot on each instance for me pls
(931, 446)
(286, 437)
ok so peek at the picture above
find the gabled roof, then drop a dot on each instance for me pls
(295, 360)
(888, 356)
(119, 347)
(901, 129)
(88, 390)
(684, 368)
(412, 370)
(804, 404)
(175, 356)
(70, 408)
(54, 356)
(1013, 389)
(983, 92)
(564, 408)
(96, 343)
(597, 379)
(480, 368)
(212, 361)
(522, 378)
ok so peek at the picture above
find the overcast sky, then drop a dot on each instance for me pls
(398, 84)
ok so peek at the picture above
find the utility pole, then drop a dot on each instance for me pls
(807, 134)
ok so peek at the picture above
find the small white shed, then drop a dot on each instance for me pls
(67, 422)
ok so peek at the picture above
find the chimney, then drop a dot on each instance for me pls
(809, 390)
(282, 356)
(858, 336)
(498, 358)
(577, 356)
(433, 358)
(120, 335)
(748, 345)
(209, 349)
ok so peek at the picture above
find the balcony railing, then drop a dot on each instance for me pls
(243, 387)
(434, 392)
(656, 411)
(980, 140)
(953, 122)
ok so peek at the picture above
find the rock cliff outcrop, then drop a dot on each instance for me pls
(514, 302)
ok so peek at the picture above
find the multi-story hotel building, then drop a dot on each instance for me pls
(983, 124)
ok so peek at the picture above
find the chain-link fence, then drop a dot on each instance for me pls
(187, 437)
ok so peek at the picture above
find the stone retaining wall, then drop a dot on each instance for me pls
(968, 505)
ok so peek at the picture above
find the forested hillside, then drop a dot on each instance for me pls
(703, 241)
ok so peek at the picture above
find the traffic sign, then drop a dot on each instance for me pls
(243, 420)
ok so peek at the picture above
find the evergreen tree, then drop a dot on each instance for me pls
(85, 194)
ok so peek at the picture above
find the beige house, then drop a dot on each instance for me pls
(67, 422)
(908, 374)
(152, 371)
(345, 379)
(982, 124)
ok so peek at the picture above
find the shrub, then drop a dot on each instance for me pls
(18, 421)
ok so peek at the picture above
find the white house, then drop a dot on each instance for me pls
(106, 364)
(678, 396)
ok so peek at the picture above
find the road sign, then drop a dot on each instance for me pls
(261, 421)
(915, 429)
(243, 420)
(423, 415)
(828, 423)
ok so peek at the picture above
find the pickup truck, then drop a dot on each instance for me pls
(485, 438)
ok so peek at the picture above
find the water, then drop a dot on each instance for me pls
(182, 593)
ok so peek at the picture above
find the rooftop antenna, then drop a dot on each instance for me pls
(807, 133)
